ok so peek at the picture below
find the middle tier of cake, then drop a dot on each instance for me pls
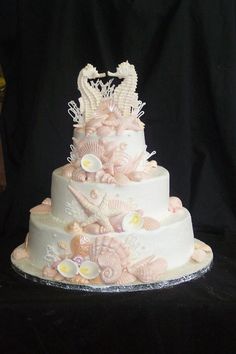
(150, 196)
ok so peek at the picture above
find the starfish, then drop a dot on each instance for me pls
(97, 213)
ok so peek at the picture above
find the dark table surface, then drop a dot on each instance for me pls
(194, 317)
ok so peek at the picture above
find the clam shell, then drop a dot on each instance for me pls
(150, 223)
(88, 270)
(132, 221)
(67, 268)
(91, 163)
(93, 147)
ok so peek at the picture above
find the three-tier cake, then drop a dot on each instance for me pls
(110, 222)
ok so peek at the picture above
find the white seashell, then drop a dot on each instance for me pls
(150, 223)
(91, 163)
(121, 179)
(67, 268)
(88, 270)
(132, 221)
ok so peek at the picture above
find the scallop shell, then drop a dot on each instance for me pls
(67, 170)
(88, 270)
(90, 147)
(120, 205)
(126, 278)
(122, 162)
(132, 221)
(91, 163)
(150, 223)
(67, 268)
(111, 268)
(107, 244)
(149, 270)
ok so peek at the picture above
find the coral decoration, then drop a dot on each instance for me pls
(175, 204)
(41, 209)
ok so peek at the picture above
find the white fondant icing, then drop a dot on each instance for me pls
(152, 195)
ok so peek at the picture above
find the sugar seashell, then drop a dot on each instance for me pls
(107, 244)
(149, 270)
(91, 163)
(67, 170)
(136, 176)
(49, 272)
(150, 223)
(41, 209)
(105, 131)
(174, 204)
(92, 147)
(111, 267)
(132, 221)
(199, 255)
(79, 248)
(20, 253)
(78, 279)
(126, 278)
(68, 268)
(74, 227)
(94, 228)
(89, 270)
(47, 201)
(121, 179)
(119, 204)
(94, 194)
(79, 175)
(58, 277)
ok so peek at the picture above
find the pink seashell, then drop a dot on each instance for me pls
(107, 178)
(79, 175)
(122, 162)
(79, 280)
(47, 201)
(126, 278)
(116, 222)
(136, 176)
(121, 179)
(20, 253)
(105, 131)
(121, 205)
(67, 170)
(150, 223)
(149, 270)
(199, 255)
(73, 227)
(49, 272)
(94, 229)
(91, 177)
(111, 268)
(94, 194)
(107, 244)
(41, 209)
(174, 204)
(90, 147)
(58, 277)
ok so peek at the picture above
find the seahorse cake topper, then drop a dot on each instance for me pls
(124, 96)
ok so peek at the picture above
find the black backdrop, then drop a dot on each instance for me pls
(185, 54)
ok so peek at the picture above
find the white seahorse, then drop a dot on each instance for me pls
(124, 95)
(90, 96)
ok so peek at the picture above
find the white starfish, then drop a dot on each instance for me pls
(97, 213)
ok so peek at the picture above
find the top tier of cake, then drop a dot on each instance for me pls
(108, 142)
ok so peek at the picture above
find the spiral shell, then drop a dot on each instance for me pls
(106, 244)
(111, 267)
(150, 223)
(90, 147)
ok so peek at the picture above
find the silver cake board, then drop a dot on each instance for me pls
(189, 271)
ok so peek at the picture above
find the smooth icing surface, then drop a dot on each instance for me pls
(152, 195)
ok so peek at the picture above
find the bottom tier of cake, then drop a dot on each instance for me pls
(54, 253)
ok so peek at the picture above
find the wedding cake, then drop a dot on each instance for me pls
(110, 221)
